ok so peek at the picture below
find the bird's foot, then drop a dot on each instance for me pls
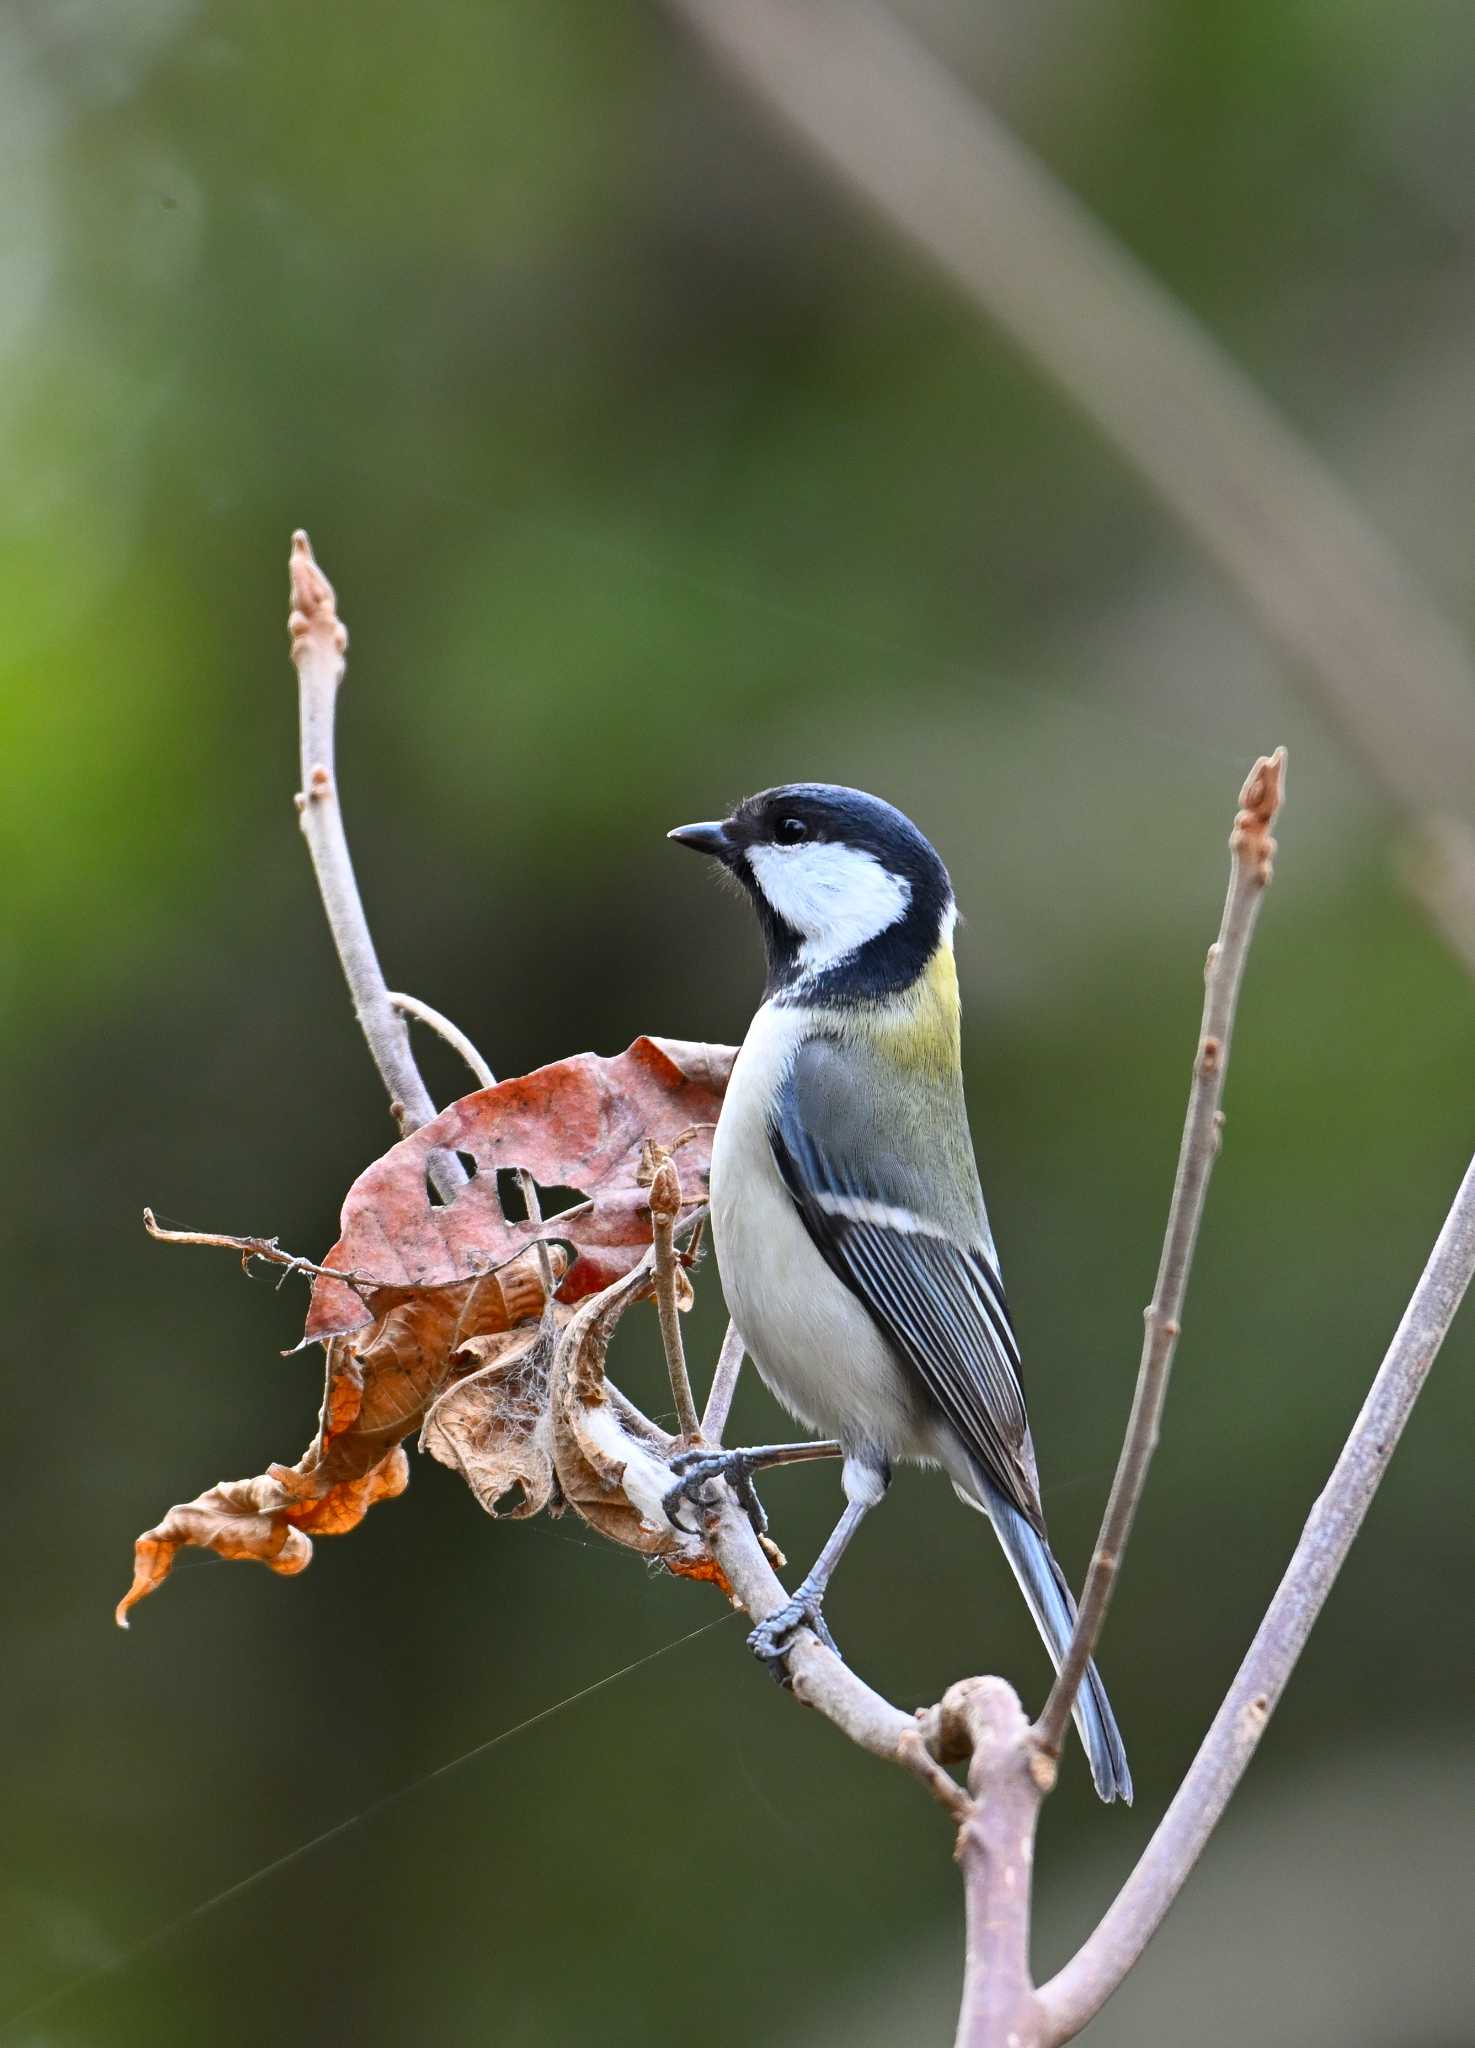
(772, 1640)
(693, 1470)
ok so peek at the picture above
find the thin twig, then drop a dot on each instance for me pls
(455, 1038)
(891, 124)
(319, 640)
(256, 1248)
(1079, 1990)
(665, 1208)
(1252, 850)
(723, 1387)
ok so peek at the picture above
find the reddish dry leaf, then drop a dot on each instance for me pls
(380, 1381)
(456, 1297)
(580, 1123)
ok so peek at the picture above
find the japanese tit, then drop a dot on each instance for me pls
(849, 1225)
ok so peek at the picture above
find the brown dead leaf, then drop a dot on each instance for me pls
(613, 1476)
(491, 1426)
(579, 1123)
(444, 1329)
(379, 1383)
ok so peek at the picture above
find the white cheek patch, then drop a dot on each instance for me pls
(836, 897)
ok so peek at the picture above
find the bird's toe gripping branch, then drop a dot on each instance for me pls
(694, 1471)
(772, 1640)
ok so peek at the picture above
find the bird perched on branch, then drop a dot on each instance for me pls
(849, 1225)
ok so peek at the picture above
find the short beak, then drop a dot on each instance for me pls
(710, 838)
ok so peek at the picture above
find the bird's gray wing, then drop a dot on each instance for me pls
(937, 1299)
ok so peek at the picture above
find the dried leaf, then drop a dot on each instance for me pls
(492, 1426)
(580, 1123)
(614, 1479)
(449, 1327)
(380, 1381)
(266, 1518)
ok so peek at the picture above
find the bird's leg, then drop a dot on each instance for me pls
(866, 1477)
(692, 1470)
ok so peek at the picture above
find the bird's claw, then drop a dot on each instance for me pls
(692, 1470)
(772, 1640)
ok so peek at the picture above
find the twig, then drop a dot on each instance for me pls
(665, 1208)
(723, 1387)
(255, 1248)
(1079, 1990)
(890, 123)
(319, 640)
(455, 1038)
(1252, 850)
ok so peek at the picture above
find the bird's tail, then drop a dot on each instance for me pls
(1054, 1609)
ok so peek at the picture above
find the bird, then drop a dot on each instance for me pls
(847, 1216)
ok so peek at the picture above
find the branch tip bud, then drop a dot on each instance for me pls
(1251, 841)
(313, 623)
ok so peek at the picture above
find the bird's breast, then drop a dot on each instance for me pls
(815, 1345)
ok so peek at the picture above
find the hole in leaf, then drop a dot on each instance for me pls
(510, 1195)
(552, 1201)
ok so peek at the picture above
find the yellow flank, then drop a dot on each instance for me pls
(919, 1028)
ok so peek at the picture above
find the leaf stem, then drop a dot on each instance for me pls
(665, 1208)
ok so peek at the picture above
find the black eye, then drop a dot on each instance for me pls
(789, 831)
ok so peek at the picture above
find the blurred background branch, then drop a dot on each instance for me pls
(860, 90)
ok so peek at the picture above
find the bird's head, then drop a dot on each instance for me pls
(853, 900)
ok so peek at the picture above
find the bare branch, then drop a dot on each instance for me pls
(890, 123)
(665, 1208)
(983, 1719)
(724, 1386)
(455, 1038)
(250, 1248)
(1252, 850)
(1080, 1990)
(319, 640)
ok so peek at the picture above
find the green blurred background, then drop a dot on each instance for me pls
(649, 473)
